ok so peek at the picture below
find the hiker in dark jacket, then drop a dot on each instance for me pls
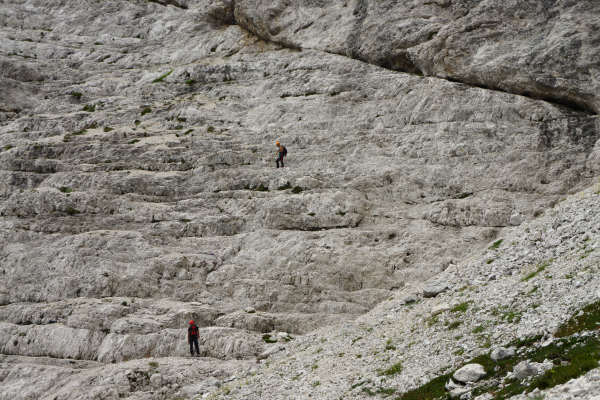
(281, 152)
(193, 338)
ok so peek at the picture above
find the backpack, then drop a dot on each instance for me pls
(193, 330)
(284, 151)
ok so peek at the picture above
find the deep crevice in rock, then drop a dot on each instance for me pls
(169, 3)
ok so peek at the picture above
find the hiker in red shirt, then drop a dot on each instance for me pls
(193, 338)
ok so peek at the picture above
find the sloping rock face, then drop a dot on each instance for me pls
(547, 49)
(138, 184)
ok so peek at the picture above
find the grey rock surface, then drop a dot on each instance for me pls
(545, 49)
(434, 288)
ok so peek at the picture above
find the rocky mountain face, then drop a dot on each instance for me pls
(139, 190)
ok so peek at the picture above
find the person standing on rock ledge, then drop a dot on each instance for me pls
(281, 152)
(193, 338)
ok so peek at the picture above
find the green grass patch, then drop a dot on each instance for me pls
(190, 82)
(461, 308)
(479, 329)
(586, 319)
(77, 95)
(8, 147)
(267, 338)
(393, 370)
(89, 108)
(432, 390)
(153, 364)
(210, 129)
(65, 189)
(540, 268)
(297, 189)
(108, 129)
(145, 110)
(496, 244)
(572, 357)
(356, 340)
(134, 141)
(162, 77)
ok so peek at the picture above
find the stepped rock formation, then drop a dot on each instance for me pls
(138, 186)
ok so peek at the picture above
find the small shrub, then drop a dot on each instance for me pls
(190, 82)
(145, 110)
(137, 122)
(297, 189)
(77, 95)
(454, 325)
(134, 141)
(389, 346)
(180, 119)
(153, 364)
(210, 129)
(8, 147)
(188, 131)
(89, 108)
(285, 187)
(72, 211)
(108, 129)
(124, 303)
(65, 189)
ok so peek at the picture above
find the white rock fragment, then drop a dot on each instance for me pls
(434, 288)
(501, 353)
(469, 373)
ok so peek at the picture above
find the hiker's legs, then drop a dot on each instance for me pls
(195, 342)
(192, 346)
(279, 160)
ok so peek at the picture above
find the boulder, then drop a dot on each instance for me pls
(469, 373)
(501, 353)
